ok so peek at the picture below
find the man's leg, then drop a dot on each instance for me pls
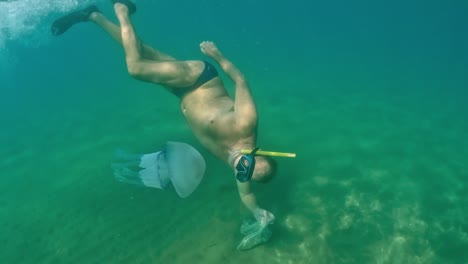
(113, 30)
(92, 13)
(174, 74)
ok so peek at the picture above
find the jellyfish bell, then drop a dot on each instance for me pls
(178, 163)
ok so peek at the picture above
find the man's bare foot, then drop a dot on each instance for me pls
(120, 9)
(94, 15)
(129, 5)
(210, 49)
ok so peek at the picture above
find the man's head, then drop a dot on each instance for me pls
(265, 169)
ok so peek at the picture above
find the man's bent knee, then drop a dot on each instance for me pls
(134, 69)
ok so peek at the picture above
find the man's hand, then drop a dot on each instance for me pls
(263, 216)
(209, 49)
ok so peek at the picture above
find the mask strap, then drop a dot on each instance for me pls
(253, 151)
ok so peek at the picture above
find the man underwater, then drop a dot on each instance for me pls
(222, 125)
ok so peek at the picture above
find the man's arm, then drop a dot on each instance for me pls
(249, 200)
(247, 196)
(246, 112)
(244, 105)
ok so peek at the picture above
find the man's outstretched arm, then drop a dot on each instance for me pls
(247, 196)
(249, 200)
(244, 105)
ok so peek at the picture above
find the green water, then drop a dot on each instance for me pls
(371, 97)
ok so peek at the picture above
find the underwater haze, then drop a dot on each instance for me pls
(371, 95)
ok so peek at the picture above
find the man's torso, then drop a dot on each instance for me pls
(210, 113)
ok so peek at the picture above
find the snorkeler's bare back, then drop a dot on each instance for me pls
(210, 113)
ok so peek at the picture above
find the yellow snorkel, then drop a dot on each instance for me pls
(269, 153)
